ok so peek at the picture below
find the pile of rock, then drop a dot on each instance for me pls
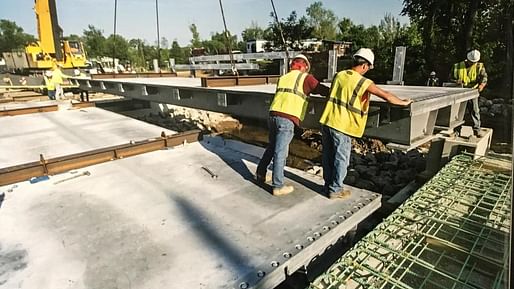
(496, 107)
(182, 119)
(373, 167)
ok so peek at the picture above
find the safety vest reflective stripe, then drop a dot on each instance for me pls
(289, 96)
(356, 91)
(292, 91)
(460, 72)
(295, 89)
(347, 106)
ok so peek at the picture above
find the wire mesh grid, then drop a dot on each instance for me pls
(452, 233)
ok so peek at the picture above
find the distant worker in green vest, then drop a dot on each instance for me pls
(50, 86)
(345, 116)
(471, 74)
(286, 111)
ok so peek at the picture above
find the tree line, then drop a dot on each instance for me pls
(438, 34)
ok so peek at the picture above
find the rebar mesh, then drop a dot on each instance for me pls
(451, 234)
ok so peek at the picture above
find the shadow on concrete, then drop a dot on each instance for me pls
(212, 236)
(236, 161)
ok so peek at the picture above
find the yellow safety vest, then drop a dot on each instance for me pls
(346, 109)
(57, 76)
(468, 75)
(289, 96)
(49, 83)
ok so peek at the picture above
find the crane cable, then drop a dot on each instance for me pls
(229, 42)
(280, 29)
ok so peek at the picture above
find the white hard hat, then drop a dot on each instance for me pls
(367, 54)
(432, 73)
(76, 72)
(474, 55)
(48, 73)
(304, 58)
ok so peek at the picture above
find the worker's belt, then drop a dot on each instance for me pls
(347, 105)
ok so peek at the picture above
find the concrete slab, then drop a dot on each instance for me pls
(53, 134)
(159, 220)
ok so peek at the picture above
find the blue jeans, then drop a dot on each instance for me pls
(281, 131)
(336, 158)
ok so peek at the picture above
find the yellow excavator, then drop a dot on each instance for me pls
(51, 49)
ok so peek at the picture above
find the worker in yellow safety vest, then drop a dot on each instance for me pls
(345, 117)
(50, 86)
(471, 74)
(286, 111)
(58, 79)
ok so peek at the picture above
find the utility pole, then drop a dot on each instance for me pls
(229, 41)
(158, 37)
(114, 38)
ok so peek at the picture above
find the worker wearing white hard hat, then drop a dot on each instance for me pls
(470, 73)
(287, 110)
(345, 116)
(49, 84)
(433, 80)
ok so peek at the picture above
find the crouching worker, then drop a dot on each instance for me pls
(345, 117)
(287, 110)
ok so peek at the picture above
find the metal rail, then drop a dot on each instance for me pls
(452, 233)
(28, 110)
(133, 75)
(57, 165)
(239, 80)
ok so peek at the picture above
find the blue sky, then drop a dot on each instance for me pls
(136, 18)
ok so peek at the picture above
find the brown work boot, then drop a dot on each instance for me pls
(262, 179)
(283, 191)
(341, 195)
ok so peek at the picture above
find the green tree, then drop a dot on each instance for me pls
(118, 45)
(178, 53)
(295, 30)
(253, 32)
(94, 42)
(195, 41)
(323, 21)
(12, 36)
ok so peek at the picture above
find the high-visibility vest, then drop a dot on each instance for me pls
(346, 109)
(57, 76)
(49, 83)
(289, 96)
(468, 75)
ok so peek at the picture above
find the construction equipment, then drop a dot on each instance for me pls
(50, 49)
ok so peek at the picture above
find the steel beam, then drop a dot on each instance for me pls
(403, 126)
(239, 57)
(221, 81)
(133, 75)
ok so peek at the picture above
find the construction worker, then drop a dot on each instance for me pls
(345, 117)
(471, 74)
(84, 94)
(286, 111)
(432, 79)
(50, 86)
(58, 79)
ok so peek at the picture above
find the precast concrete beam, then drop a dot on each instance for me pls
(405, 126)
